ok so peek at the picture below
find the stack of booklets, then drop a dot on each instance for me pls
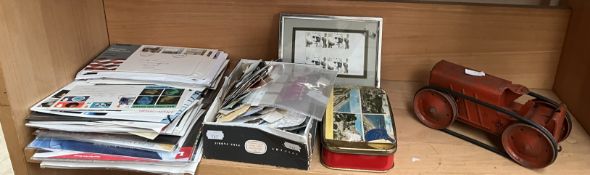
(134, 107)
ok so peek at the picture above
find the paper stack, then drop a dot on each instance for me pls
(134, 107)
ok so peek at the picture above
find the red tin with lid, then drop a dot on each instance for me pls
(359, 130)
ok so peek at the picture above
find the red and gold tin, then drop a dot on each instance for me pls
(359, 130)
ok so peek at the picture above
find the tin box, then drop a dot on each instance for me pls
(358, 130)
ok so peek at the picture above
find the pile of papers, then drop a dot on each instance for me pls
(275, 95)
(134, 107)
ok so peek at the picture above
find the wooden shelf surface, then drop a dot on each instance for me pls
(425, 151)
(422, 150)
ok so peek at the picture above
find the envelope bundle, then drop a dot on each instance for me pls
(134, 107)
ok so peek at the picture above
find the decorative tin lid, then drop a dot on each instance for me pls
(359, 121)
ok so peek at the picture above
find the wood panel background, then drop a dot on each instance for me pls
(43, 43)
(572, 83)
(520, 44)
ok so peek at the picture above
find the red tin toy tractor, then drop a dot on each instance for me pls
(528, 132)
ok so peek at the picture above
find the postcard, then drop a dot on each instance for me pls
(372, 100)
(347, 100)
(360, 114)
(377, 127)
(348, 127)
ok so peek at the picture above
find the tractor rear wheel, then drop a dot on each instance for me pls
(528, 146)
(567, 124)
(435, 109)
(567, 129)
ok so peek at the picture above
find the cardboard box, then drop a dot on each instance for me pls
(257, 143)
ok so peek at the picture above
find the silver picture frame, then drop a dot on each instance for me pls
(347, 44)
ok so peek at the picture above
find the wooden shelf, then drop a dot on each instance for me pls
(422, 150)
(45, 42)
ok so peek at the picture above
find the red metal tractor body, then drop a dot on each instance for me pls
(529, 132)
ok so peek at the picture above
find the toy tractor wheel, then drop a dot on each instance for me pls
(528, 146)
(567, 128)
(435, 109)
(567, 125)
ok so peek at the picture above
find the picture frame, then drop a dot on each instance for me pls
(347, 44)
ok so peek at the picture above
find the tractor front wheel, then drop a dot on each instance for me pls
(435, 109)
(528, 146)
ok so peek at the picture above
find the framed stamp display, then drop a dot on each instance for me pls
(349, 45)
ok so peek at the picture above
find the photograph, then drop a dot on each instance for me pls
(75, 98)
(327, 40)
(372, 100)
(336, 50)
(341, 95)
(100, 105)
(69, 104)
(347, 100)
(377, 128)
(148, 91)
(348, 127)
(125, 102)
(47, 103)
(172, 50)
(145, 100)
(173, 92)
(150, 49)
(195, 51)
(168, 100)
(348, 45)
(60, 93)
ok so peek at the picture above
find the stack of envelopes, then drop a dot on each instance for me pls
(134, 107)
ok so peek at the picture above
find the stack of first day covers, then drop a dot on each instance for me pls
(134, 107)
